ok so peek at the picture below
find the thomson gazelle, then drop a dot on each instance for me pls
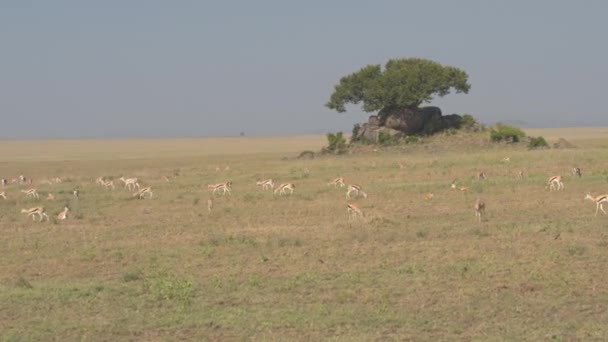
(224, 187)
(141, 193)
(599, 202)
(130, 182)
(555, 183)
(266, 184)
(36, 211)
(480, 208)
(31, 193)
(353, 211)
(64, 214)
(356, 189)
(337, 182)
(576, 172)
(282, 189)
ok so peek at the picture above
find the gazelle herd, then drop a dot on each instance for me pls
(554, 183)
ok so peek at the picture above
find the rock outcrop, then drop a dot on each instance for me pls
(405, 122)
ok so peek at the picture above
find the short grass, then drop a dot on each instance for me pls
(267, 267)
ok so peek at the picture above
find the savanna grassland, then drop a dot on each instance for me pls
(266, 267)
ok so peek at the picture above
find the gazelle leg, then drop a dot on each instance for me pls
(602, 207)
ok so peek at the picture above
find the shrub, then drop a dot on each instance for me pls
(538, 142)
(468, 121)
(502, 132)
(355, 136)
(336, 142)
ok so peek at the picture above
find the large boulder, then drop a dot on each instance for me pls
(374, 121)
(451, 121)
(407, 121)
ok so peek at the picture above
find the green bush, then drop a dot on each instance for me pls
(502, 132)
(355, 136)
(538, 142)
(336, 142)
(467, 121)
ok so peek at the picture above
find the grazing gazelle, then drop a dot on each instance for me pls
(283, 188)
(141, 193)
(36, 211)
(337, 182)
(266, 184)
(353, 211)
(480, 208)
(599, 202)
(31, 193)
(555, 183)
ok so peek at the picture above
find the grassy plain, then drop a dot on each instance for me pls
(264, 267)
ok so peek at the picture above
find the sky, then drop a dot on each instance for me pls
(112, 68)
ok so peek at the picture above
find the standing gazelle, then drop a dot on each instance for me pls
(36, 211)
(130, 182)
(480, 208)
(599, 202)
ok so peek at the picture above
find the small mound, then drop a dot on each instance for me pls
(563, 143)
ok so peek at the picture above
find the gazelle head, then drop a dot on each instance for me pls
(589, 197)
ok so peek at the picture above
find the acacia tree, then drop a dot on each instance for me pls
(403, 84)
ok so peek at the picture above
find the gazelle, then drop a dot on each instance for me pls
(75, 193)
(22, 179)
(210, 204)
(356, 189)
(130, 182)
(266, 184)
(31, 193)
(282, 189)
(337, 182)
(36, 211)
(429, 196)
(520, 174)
(109, 184)
(224, 187)
(64, 214)
(506, 159)
(100, 180)
(576, 172)
(555, 183)
(50, 197)
(481, 176)
(141, 193)
(353, 211)
(4, 181)
(480, 208)
(599, 202)
(3, 194)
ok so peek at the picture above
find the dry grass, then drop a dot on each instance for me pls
(269, 267)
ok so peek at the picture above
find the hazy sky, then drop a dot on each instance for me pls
(206, 68)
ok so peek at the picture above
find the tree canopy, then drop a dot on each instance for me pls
(403, 84)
